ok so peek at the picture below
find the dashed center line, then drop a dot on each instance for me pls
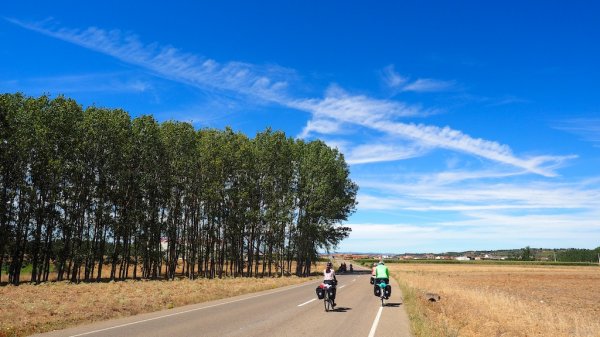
(314, 299)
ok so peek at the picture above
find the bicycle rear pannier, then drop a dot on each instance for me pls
(331, 292)
(320, 293)
(377, 291)
(388, 291)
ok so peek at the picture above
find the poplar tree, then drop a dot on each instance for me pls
(82, 191)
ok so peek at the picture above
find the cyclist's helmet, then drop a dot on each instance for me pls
(381, 262)
(329, 264)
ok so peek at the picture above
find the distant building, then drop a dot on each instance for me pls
(164, 243)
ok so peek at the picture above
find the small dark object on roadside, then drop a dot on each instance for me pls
(431, 297)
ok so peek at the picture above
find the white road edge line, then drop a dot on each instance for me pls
(186, 311)
(342, 286)
(375, 322)
(314, 299)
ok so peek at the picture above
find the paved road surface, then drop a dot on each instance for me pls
(289, 311)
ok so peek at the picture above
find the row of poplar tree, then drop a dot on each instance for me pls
(93, 194)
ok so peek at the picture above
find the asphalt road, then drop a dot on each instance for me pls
(289, 311)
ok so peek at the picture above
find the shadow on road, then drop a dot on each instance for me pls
(394, 305)
(356, 272)
(341, 309)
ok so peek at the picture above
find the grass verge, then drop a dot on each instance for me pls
(416, 307)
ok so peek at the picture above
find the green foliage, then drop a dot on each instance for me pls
(526, 254)
(579, 255)
(85, 189)
(325, 197)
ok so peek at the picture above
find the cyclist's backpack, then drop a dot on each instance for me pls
(320, 292)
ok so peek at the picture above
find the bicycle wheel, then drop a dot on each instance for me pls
(327, 302)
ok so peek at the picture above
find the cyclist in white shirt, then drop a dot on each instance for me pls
(329, 278)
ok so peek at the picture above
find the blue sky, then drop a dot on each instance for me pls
(467, 125)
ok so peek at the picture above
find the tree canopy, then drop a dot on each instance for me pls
(92, 193)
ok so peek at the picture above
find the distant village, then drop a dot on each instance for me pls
(462, 257)
(523, 254)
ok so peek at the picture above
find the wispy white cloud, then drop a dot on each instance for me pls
(381, 115)
(425, 195)
(266, 82)
(391, 78)
(321, 126)
(507, 100)
(378, 231)
(481, 230)
(455, 176)
(378, 152)
(331, 114)
(428, 85)
(400, 83)
(586, 128)
(529, 224)
(488, 210)
(448, 138)
(340, 106)
(374, 202)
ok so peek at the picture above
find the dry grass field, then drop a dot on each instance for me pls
(29, 309)
(501, 300)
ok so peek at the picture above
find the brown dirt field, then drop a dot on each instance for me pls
(497, 300)
(29, 309)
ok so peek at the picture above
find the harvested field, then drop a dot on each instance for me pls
(497, 300)
(29, 309)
